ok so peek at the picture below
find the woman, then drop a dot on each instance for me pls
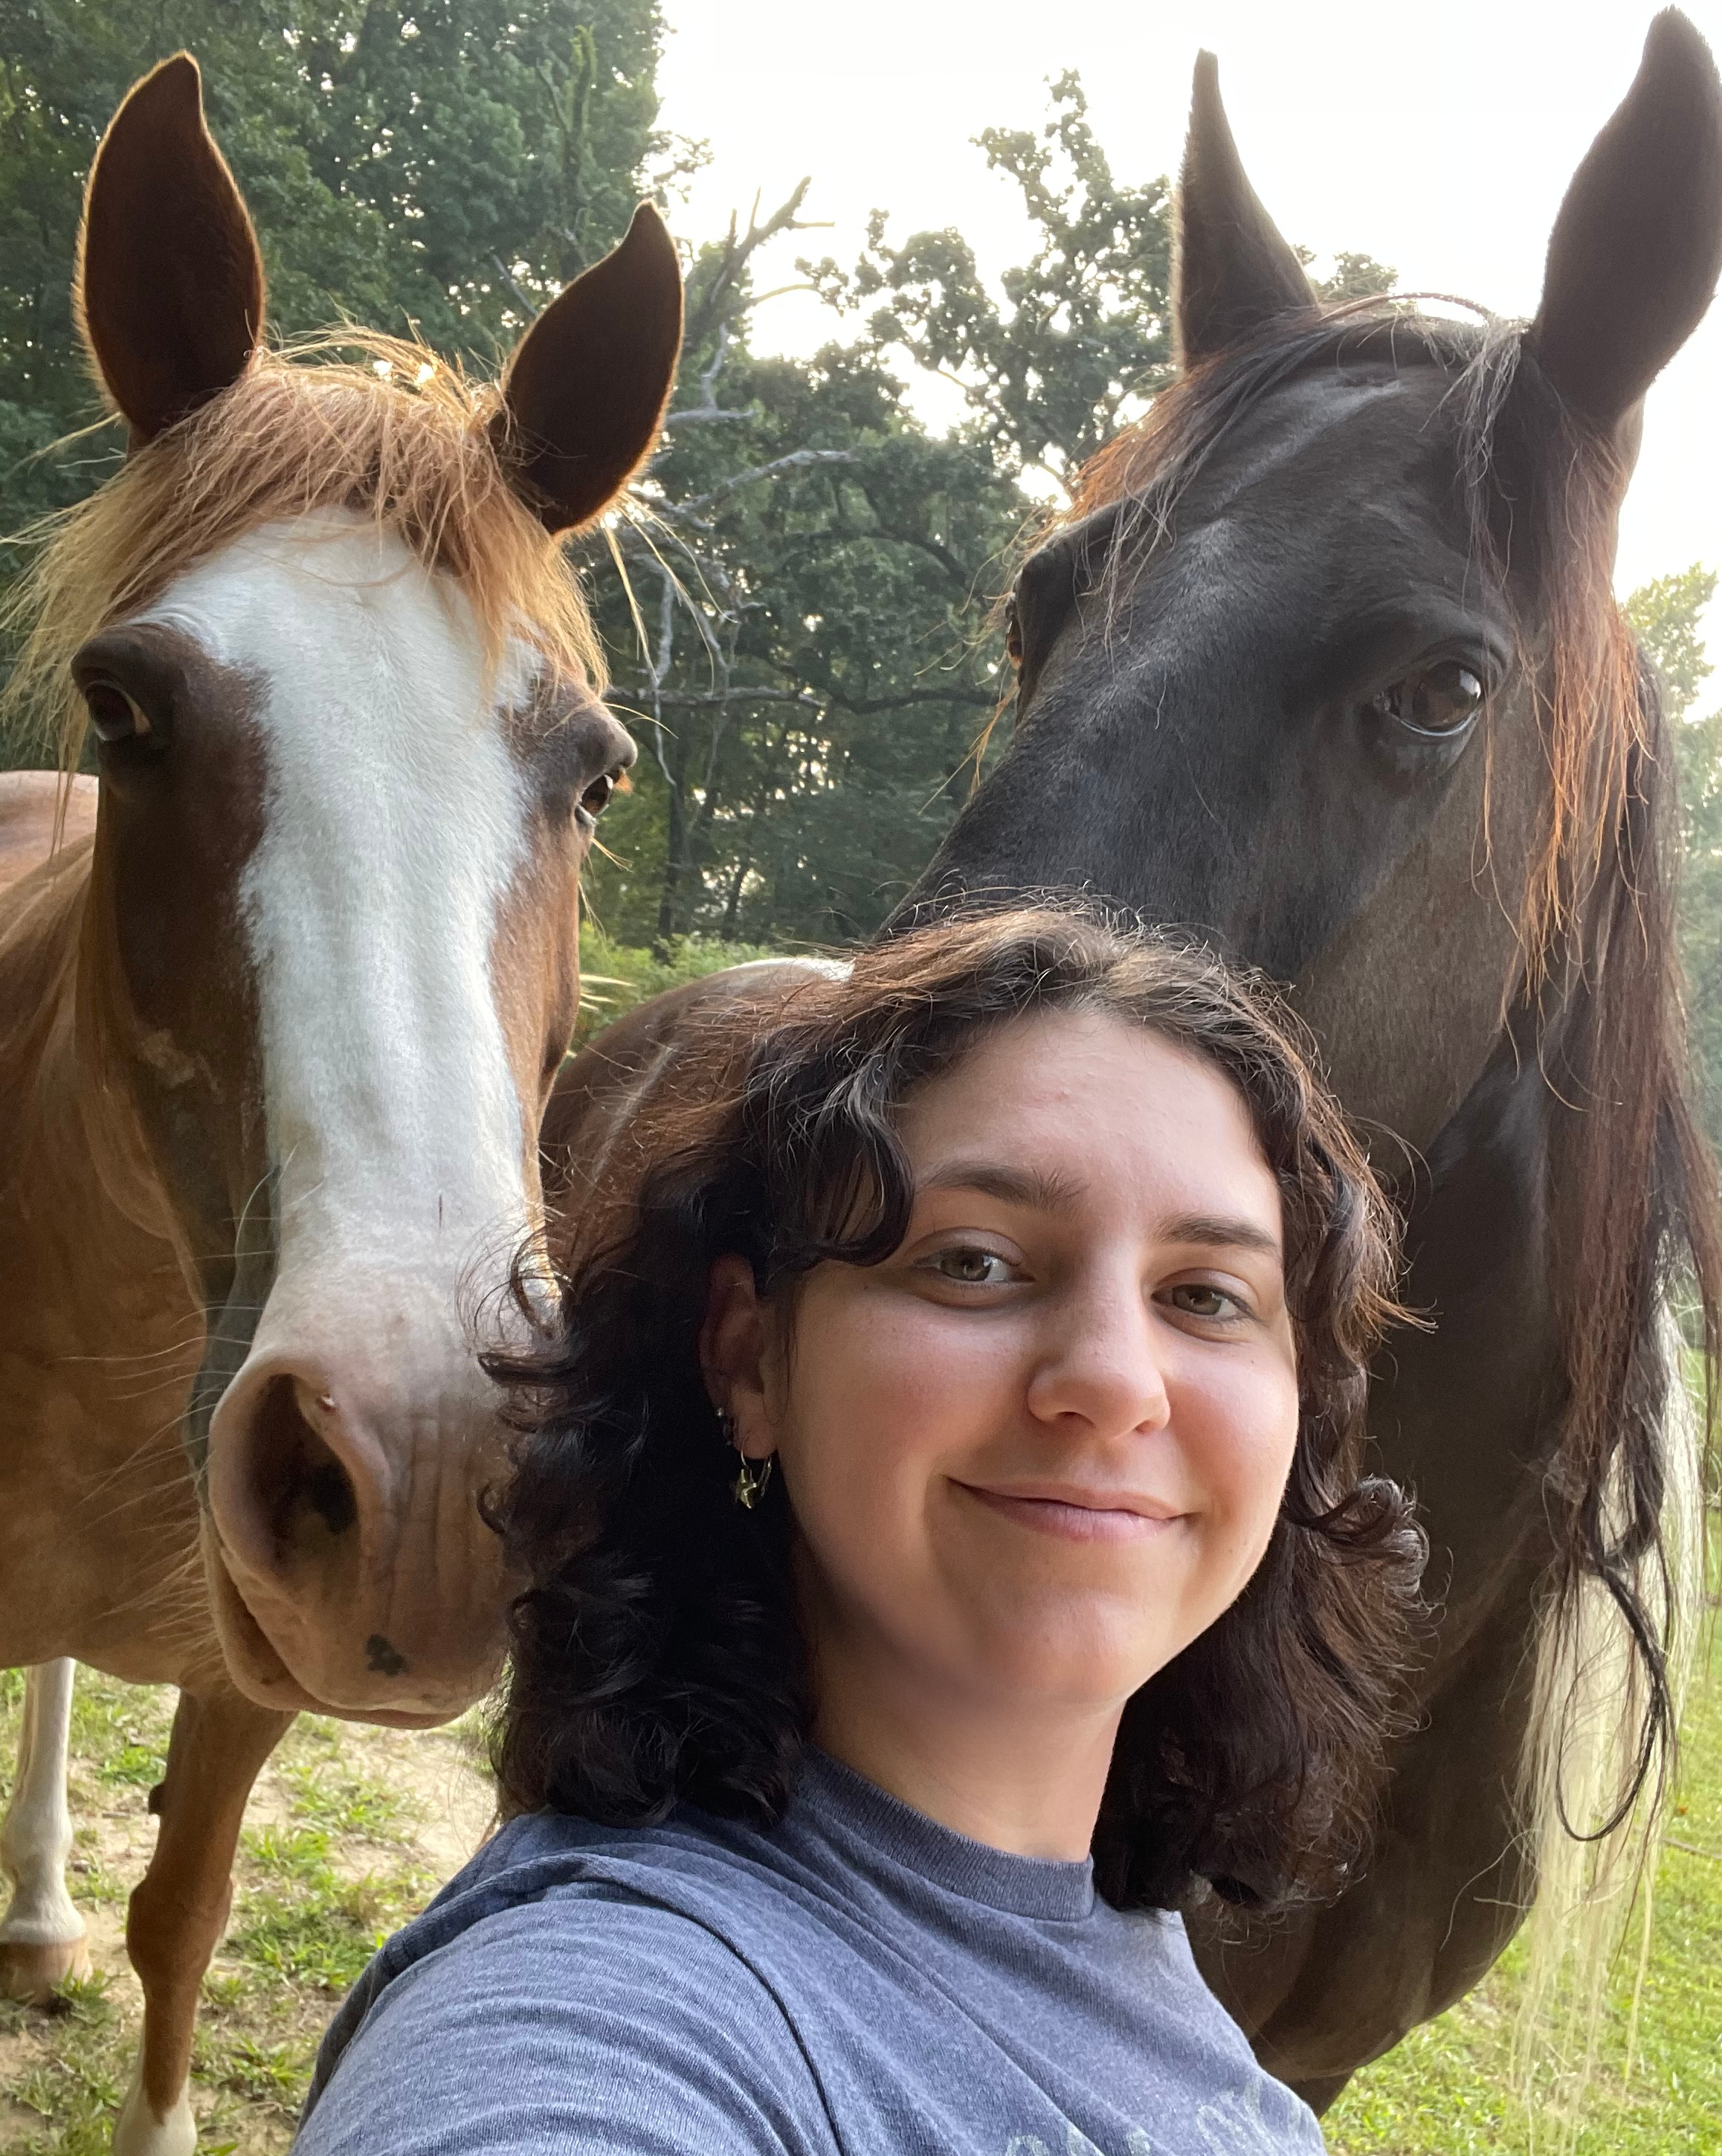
(949, 1558)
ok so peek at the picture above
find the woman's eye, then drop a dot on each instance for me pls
(973, 1268)
(1441, 699)
(1199, 1299)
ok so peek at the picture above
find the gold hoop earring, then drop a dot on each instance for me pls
(753, 1474)
(749, 1484)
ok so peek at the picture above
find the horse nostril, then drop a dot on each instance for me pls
(297, 1473)
(330, 1495)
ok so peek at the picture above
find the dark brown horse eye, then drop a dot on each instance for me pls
(1441, 699)
(113, 713)
(596, 797)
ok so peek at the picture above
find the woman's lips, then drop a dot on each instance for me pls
(1087, 1519)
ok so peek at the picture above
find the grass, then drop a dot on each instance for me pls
(344, 1844)
(1447, 2090)
(614, 977)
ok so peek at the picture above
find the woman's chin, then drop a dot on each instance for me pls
(1056, 1666)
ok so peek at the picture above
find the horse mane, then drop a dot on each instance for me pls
(1633, 1187)
(392, 432)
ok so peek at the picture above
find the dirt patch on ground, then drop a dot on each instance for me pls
(350, 1830)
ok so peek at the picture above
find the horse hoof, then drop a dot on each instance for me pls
(138, 2132)
(32, 1973)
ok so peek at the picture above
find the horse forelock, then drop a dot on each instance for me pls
(394, 434)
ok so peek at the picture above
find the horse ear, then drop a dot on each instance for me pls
(1233, 273)
(169, 289)
(1636, 247)
(585, 391)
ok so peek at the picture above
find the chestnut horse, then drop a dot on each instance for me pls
(1323, 665)
(275, 1038)
(39, 810)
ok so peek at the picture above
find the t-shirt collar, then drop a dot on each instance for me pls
(835, 1796)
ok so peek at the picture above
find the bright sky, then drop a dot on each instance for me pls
(1437, 138)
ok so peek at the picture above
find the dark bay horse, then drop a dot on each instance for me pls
(275, 1038)
(1323, 665)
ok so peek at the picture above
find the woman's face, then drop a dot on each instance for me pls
(1040, 1448)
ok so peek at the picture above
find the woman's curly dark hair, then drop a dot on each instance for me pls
(657, 1656)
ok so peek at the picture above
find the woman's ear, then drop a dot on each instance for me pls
(734, 1346)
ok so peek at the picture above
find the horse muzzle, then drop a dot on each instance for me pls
(351, 1570)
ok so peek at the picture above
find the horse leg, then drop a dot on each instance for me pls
(41, 1934)
(180, 1909)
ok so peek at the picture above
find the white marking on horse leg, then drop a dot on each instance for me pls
(42, 1934)
(139, 2133)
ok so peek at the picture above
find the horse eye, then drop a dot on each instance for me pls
(596, 797)
(113, 713)
(1439, 700)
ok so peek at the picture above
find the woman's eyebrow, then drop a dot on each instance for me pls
(1031, 1186)
(1224, 1231)
(1043, 1192)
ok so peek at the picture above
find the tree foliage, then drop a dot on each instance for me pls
(440, 168)
(808, 668)
(814, 733)
(1073, 340)
(1667, 613)
(799, 604)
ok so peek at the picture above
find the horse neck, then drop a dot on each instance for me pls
(69, 1133)
(1575, 1113)
(1465, 1409)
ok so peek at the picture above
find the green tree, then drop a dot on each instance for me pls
(804, 670)
(441, 167)
(814, 709)
(1073, 340)
(1666, 615)
(1355, 277)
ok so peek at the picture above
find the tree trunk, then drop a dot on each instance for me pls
(732, 904)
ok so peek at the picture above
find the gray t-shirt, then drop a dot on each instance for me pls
(859, 1980)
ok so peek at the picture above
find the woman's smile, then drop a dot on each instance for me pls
(1076, 1515)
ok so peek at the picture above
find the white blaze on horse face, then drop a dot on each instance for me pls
(393, 822)
(346, 1455)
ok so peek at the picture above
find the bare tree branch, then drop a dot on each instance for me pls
(696, 413)
(797, 460)
(720, 300)
(708, 379)
(810, 701)
(522, 299)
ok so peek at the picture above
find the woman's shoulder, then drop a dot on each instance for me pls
(549, 1883)
(569, 1985)
(719, 1875)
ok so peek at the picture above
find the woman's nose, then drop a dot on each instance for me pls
(1100, 1363)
